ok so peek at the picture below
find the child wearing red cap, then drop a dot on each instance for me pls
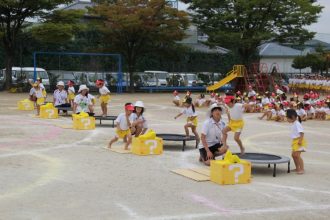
(104, 96)
(123, 125)
(192, 121)
(236, 123)
(176, 98)
(71, 92)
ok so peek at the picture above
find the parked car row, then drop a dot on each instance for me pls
(141, 79)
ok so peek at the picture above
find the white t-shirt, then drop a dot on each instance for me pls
(121, 120)
(42, 86)
(279, 92)
(71, 90)
(301, 112)
(281, 112)
(32, 91)
(104, 90)
(38, 93)
(133, 117)
(189, 112)
(252, 93)
(82, 103)
(265, 101)
(60, 97)
(311, 110)
(296, 129)
(176, 98)
(236, 112)
(201, 101)
(213, 132)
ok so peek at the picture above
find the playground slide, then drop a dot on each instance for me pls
(230, 76)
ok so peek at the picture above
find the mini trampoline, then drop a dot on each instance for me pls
(260, 158)
(107, 118)
(177, 137)
(64, 108)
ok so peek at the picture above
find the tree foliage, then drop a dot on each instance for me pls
(13, 16)
(243, 25)
(137, 27)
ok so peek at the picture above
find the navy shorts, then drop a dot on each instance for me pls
(214, 149)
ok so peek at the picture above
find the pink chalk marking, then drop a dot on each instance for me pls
(208, 203)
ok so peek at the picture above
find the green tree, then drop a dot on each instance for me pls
(243, 25)
(59, 27)
(13, 16)
(300, 63)
(137, 27)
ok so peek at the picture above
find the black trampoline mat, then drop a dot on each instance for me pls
(264, 158)
(105, 118)
(176, 137)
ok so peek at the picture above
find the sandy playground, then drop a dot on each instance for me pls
(48, 172)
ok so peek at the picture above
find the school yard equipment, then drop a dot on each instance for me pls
(260, 158)
(107, 118)
(178, 138)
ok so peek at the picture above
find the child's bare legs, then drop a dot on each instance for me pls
(186, 129)
(38, 109)
(225, 136)
(193, 129)
(263, 115)
(104, 109)
(176, 103)
(112, 141)
(269, 116)
(129, 140)
(239, 142)
(298, 161)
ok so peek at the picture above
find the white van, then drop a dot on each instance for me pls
(157, 78)
(25, 74)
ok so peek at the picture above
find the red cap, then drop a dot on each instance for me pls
(228, 99)
(306, 96)
(175, 92)
(129, 107)
(311, 92)
(273, 94)
(70, 83)
(238, 92)
(99, 82)
(212, 94)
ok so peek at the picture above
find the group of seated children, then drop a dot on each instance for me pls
(82, 102)
(130, 123)
(320, 84)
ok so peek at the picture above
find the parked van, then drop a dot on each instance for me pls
(157, 78)
(26, 74)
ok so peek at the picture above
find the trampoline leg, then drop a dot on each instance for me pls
(100, 121)
(274, 172)
(269, 165)
(113, 123)
(183, 146)
(289, 167)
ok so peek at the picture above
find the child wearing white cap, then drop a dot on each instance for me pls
(139, 123)
(60, 96)
(82, 101)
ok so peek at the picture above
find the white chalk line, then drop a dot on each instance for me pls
(301, 189)
(128, 211)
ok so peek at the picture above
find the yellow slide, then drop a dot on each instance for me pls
(237, 71)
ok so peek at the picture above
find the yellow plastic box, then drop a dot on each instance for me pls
(83, 123)
(25, 105)
(141, 146)
(224, 172)
(48, 112)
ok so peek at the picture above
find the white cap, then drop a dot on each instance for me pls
(213, 106)
(60, 83)
(83, 87)
(139, 104)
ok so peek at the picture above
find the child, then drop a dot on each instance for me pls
(298, 141)
(192, 121)
(139, 122)
(123, 125)
(201, 101)
(236, 123)
(269, 112)
(38, 93)
(309, 110)
(280, 113)
(82, 101)
(301, 111)
(60, 97)
(104, 96)
(176, 98)
(71, 92)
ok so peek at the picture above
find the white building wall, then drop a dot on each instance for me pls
(284, 65)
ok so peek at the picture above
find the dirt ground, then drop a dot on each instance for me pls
(48, 172)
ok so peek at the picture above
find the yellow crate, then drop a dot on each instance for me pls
(83, 123)
(141, 146)
(48, 113)
(223, 172)
(25, 105)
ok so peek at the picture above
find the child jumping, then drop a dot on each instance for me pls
(192, 121)
(123, 125)
(104, 96)
(236, 123)
(298, 140)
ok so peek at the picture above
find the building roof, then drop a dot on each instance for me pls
(200, 47)
(78, 5)
(274, 49)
